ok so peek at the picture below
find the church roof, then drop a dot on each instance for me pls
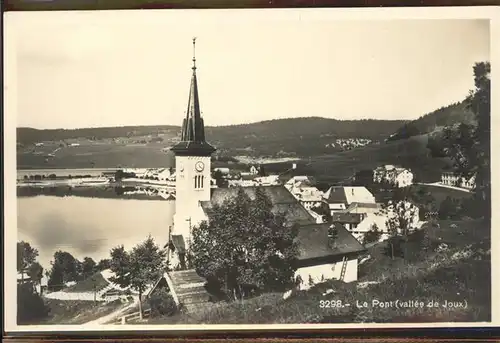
(314, 242)
(282, 200)
(193, 128)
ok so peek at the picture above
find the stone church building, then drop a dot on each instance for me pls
(319, 257)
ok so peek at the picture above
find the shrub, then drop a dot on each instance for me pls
(373, 235)
(162, 303)
(30, 306)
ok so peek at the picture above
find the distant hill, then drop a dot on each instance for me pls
(434, 121)
(143, 145)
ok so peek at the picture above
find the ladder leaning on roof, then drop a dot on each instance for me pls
(344, 268)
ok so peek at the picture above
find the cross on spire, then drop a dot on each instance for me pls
(194, 53)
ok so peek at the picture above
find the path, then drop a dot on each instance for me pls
(113, 316)
(438, 184)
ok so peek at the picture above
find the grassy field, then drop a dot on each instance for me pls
(459, 274)
(78, 312)
(411, 153)
(440, 193)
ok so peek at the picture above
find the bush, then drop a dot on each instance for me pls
(162, 303)
(30, 306)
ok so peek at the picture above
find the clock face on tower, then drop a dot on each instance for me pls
(199, 166)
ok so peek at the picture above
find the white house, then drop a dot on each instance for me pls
(339, 198)
(400, 177)
(303, 190)
(456, 180)
(271, 180)
(322, 258)
(223, 171)
(358, 223)
(242, 183)
(254, 170)
(309, 197)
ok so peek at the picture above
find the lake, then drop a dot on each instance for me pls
(85, 226)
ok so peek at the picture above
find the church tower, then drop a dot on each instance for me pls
(192, 164)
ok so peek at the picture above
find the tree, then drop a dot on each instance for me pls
(332, 236)
(103, 264)
(468, 145)
(262, 171)
(64, 269)
(324, 211)
(119, 175)
(31, 308)
(219, 178)
(89, 267)
(447, 209)
(373, 235)
(244, 245)
(141, 267)
(35, 272)
(398, 229)
(26, 256)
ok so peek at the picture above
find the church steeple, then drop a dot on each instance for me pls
(193, 129)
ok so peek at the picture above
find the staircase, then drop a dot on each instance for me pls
(189, 288)
(344, 268)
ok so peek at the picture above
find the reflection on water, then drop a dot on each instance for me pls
(108, 191)
(90, 227)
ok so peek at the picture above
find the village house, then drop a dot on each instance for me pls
(455, 180)
(224, 171)
(303, 190)
(339, 198)
(397, 176)
(406, 209)
(270, 180)
(254, 170)
(195, 200)
(322, 258)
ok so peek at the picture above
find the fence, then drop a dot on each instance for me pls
(133, 316)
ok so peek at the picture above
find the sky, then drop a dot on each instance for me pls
(117, 68)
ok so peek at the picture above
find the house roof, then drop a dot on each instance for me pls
(282, 200)
(362, 205)
(344, 217)
(314, 242)
(336, 195)
(343, 194)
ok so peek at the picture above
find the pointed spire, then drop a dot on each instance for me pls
(193, 129)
